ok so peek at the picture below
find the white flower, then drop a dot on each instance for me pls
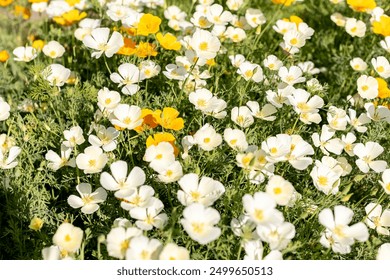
(337, 118)
(126, 116)
(216, 15)
(56, 74)
(174, 72)
(261, 208)
(118, 12)
(338, 235)
(254, 17)
(325, 142)
(367, 87)
(150, 217)
(120, 181)
(338, 18)
(53, 49)
(278, 237)
(141, 197)
(129, 76)
(358, 64)
(57, 161)
(266, 113)
(74, 136)
(236, 139)
(385, 183)
(160, 155)
(348, 141)
(88, 200)
(98, 40)
(92, 160)
(244, 227)
(298, 153)
(199, 223)
(25, 54)
(381, 66)
(292, 75)
(366, 154)
(272, 63)
(281, 97)
(385, 44)
(174, 13)
(87, 25)
(119, 240)
(325, 179)
(4, 110)
(68, 238)
(53, 252)
(173, 252)
(206, 191)
(170, 173)
(242, 116)
(355, 28)
(305, 107)
(383, 252)
(377, 113)
(251, 71)
(376, 219)
(205, 44)
(9, 161)
(148, 69)
(234, 5)
(277, 147)
(358, 122)
(143, 248)
(105, 138)
(207, 138)
(236, 60)
(280, 189)
(203, 99)
(108, 99)
(254, 251)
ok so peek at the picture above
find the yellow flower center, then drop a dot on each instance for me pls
(195, 196)
(248, 73)
(293, 41)
(277, 190)
(169, 173)
(258, 214)
(206, 140)
(198, 227)
(364, 88)
(144, 255)
(92, 162)
(354, 29)
(273, 150)
(380, 69)
(159, 156)
(338, 230)
(303, 106)
(201, 103)
(52, 53)
(233, 142)
(127, 120)
(203, 46)
(107, 101)
(322, 180)
(67, 238)
(136, 200)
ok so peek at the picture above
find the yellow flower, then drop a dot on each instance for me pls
(37, 1)
(168, 41)
(149, 118)
(295, 19)
(22, 11)
(162, 137)
(382, 26)
(210, 62)
(148, 24)
(145, 50)
(36, 224)
(168, 119)
(70, 17)
(361, 5)
(128, 48)
(384, 91)
(4, 56)
(4, 3)
(72, 2)
(38, 44)
(284, 2)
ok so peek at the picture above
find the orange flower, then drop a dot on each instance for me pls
(129, 30)
(162, 137)
(382, 26)
(284, 2)
(168, 119)
(149, 122)
(148, 24)
(146, 49)
(4, 56)
(128, 48)
(70, 17)
(5, 3)
(361, 5)
(22, 11)
(384, 91)
(168, 41)
(38, 44)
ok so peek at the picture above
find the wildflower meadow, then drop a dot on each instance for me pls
(195, 129)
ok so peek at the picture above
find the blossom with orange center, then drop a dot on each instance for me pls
(168, 41)
(4, 56)
(22, 11)
(5, 3)
(70, 17)
(283, 2)
(361, 5)
(146, 49)
(382, 26)
(168, 118)
(148, 24)
(128, 48)
(383, 90)
(149, 120)
(157, 138)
